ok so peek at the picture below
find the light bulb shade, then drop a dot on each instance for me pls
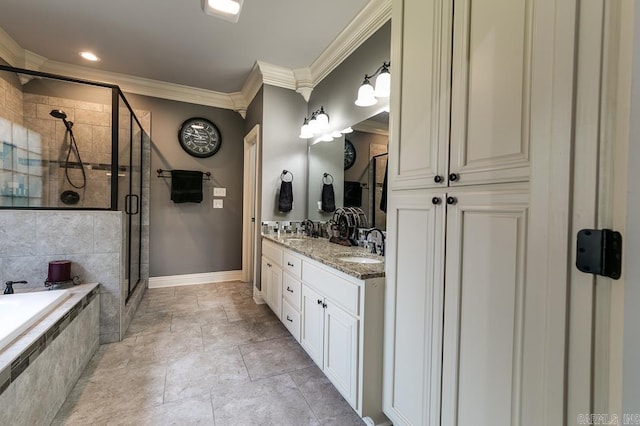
(229, 10)
(347, 130)
(322, 120)
(336, 134)
(305, 131)
(313, 124)
(326, 138)
(383, 84)
(366, 95)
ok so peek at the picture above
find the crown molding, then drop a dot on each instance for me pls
(374, 15)
(371, 126)
(11, 51)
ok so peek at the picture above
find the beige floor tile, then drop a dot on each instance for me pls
(275, 356)
(188, 412)
(179, 304)
(241, 332)
(197, 318)
(244, 309)
(154, 322)
(195, 375)
(323, 398)
(272, 401)
(165, 346)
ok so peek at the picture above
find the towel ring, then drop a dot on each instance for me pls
(284, 174)
(325, 179)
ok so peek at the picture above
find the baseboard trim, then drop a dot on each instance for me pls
(191, 279)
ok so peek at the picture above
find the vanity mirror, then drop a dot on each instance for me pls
(357, 163)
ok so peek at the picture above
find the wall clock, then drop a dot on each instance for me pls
(349, 154)
(199, 137)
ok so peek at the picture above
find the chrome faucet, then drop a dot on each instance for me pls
(9, 286)
(377, 243)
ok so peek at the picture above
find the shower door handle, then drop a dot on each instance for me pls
(137, 203)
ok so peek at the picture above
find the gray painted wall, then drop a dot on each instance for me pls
(631, 372)
(193, 238)
(325, 157)
(338, 91)
(283, 113)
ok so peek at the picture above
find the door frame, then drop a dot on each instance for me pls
(250, 230)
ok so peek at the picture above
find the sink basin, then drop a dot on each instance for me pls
(357, 259)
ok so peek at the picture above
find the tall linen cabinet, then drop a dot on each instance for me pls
(465, 91)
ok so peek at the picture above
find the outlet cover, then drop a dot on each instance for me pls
(218, 204)
(219, 192)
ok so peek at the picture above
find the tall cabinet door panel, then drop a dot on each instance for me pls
(414, 307)
(341, 351)
(484, 300)
(312, 333)
(420, 151)
(491, 94)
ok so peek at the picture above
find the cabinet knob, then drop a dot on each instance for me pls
(451, 200)
(324, 305)
(290, 264)
(289, 319)
(437, 179)
(289, 289)
(319, 302)
(269, 265)
(453, 177)
(435, 201)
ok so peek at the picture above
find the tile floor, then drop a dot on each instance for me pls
(204, 355)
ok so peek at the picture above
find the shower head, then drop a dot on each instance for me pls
(58, 113)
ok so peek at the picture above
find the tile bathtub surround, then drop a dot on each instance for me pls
(204, 355)
(57, 350)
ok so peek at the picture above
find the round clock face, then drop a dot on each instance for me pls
(349, 154)
(199, 137)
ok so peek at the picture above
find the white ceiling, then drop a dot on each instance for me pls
(173, 40)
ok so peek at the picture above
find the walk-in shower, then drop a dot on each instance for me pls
(70, 196)
(71, 144)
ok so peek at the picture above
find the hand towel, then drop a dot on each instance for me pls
(328, 199)
(383, 198)
(186, 186)
(285, 201)
(352, 194)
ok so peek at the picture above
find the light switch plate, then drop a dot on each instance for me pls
(218, 204)
(219, 192)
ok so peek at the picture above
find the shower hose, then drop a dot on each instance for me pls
(73, 145)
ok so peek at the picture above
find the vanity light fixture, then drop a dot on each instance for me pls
(317, 124)
(367, 94)
(229, 10)
(347, 130)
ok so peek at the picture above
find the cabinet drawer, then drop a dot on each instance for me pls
(291, 319)
(272, 251)
(344, 293)
(292, 264)
(291, 291)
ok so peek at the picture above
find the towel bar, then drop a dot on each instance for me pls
(161, 174)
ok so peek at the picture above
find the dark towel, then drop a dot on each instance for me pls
(352, 194)
(383, 198)
(186, 186)
(328, 198)
(285, 202)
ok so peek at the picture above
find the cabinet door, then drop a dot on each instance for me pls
(312, 335)
(275, 290)
(421, 63)
(341, 352)
(414, 307)
(484, 329)
(491, 91)
(265, 277)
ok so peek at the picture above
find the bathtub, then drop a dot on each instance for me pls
(18, 312)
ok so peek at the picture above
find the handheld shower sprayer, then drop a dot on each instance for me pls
(70, 197)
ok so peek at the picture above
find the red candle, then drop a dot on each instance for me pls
(59, 270)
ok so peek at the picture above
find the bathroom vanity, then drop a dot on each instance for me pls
(331, 299)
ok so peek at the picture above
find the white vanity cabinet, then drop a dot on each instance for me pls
(338, 320)
(271, 277)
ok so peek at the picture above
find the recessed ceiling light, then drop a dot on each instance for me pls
(229, 10)
(89, 56)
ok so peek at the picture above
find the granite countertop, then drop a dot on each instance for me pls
(323, 251)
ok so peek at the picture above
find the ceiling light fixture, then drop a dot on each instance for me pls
(89, 56)
(367, 94)
(316, 124)
(229, 10)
